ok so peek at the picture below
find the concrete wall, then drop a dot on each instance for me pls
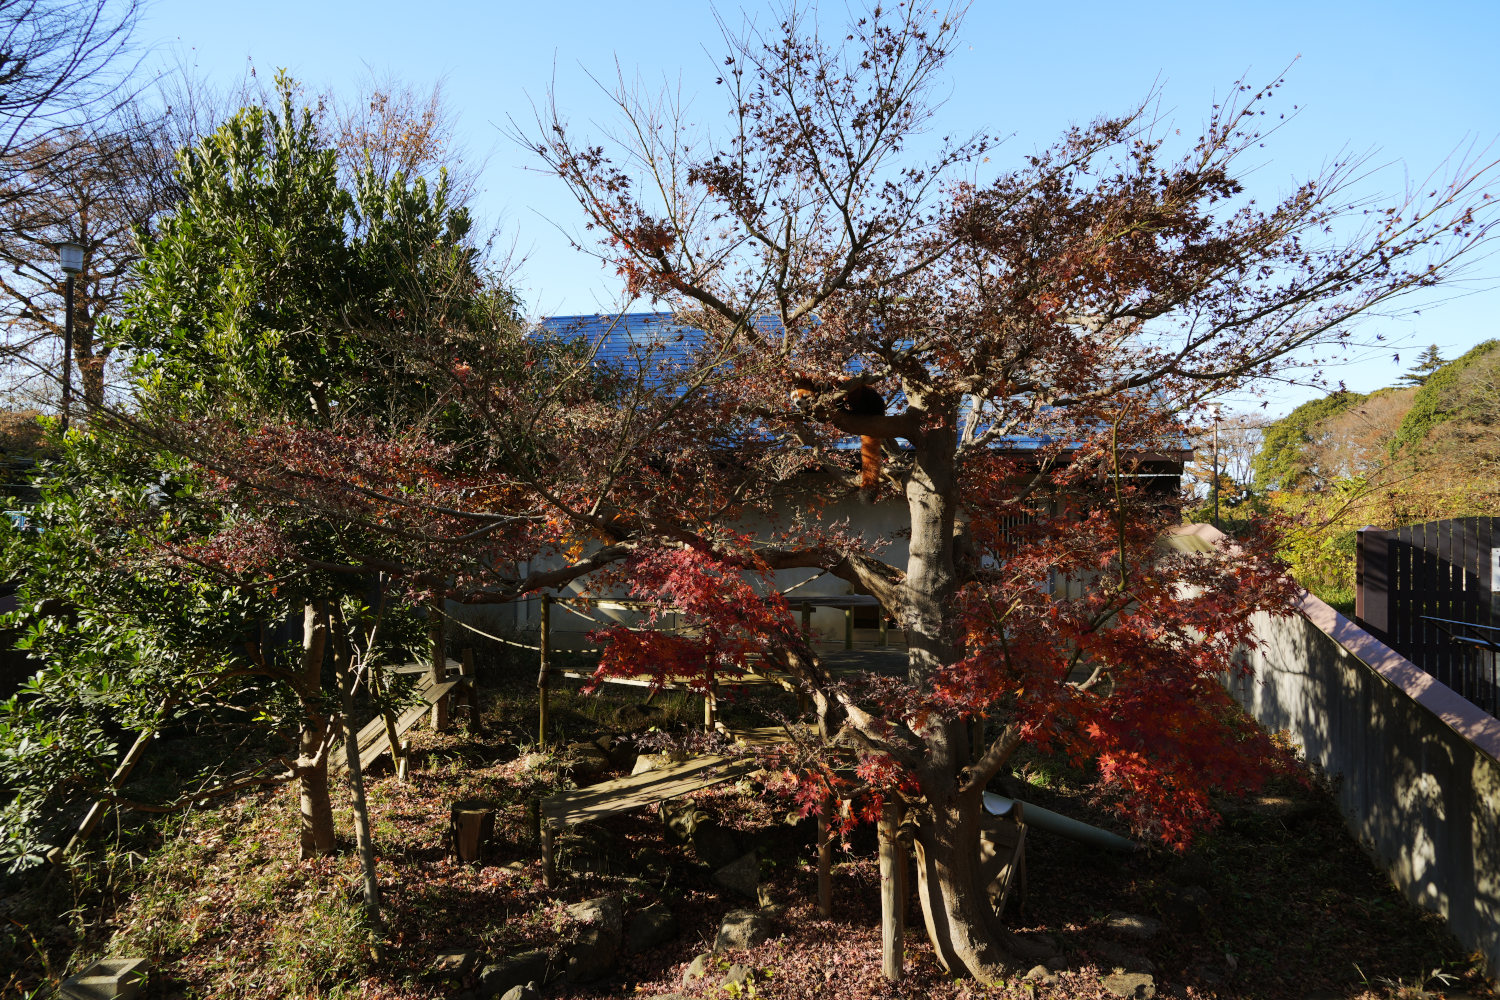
(1416, 766)
(883, 525)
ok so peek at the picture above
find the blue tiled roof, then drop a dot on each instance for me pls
(658, 337)
(631, 335)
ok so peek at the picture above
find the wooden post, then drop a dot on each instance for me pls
(825, 860)
(466, 671)
(904, 841)
(885, 630)
(892, 917)
(807, 622)
(543, 676)
(439, 665)
(549, 861)
(849, 627)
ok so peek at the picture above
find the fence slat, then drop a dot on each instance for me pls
(1436, 570)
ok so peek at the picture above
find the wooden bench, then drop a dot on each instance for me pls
(373, 740)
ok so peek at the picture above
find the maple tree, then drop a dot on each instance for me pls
(1037, 335)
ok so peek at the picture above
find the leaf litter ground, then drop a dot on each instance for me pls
(1278, 902)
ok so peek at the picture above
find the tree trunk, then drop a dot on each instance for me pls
(931, 578)
(316, 835)
(89, 360)
(343, 668)
(954, 902)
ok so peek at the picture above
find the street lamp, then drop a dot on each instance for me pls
(1214, 409)
(71, 257)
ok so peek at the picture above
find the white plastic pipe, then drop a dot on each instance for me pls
(1046, 819)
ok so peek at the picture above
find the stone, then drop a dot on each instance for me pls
(697, 968)
(712, 843)
(737, 974)
(1133, 926)
(654, 925)
(514, 970)
(620, 753)
(680, 818)
(527, 992)
(453, 964)
(1041, 974)
(597, 939)
(741, 875)
(742, 929)
(645, 762)
(585, 763)
(1131, 985)
(108, 979)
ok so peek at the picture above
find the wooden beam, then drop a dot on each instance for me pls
(439, 660)
(543, 673)
(892, 917)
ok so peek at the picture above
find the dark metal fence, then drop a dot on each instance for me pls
(1429, 592)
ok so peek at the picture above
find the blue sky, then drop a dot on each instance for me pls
(1406, 84)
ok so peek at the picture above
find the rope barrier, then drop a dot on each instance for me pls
(804, 583)
(480, 631)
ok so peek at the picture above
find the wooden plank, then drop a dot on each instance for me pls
(373, 739)
(610, 798)
(1447, 657)
(622, 795)
(1467, 608)
(1401, 637)
(409, 718)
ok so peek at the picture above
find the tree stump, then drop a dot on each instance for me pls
(471, 824)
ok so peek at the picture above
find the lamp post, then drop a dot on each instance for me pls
(1214, 409)
(70, 255)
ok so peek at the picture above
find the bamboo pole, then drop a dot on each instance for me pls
(466, 670)
(439, 665)
(542, 678)
(892, 917)
(97, 811)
